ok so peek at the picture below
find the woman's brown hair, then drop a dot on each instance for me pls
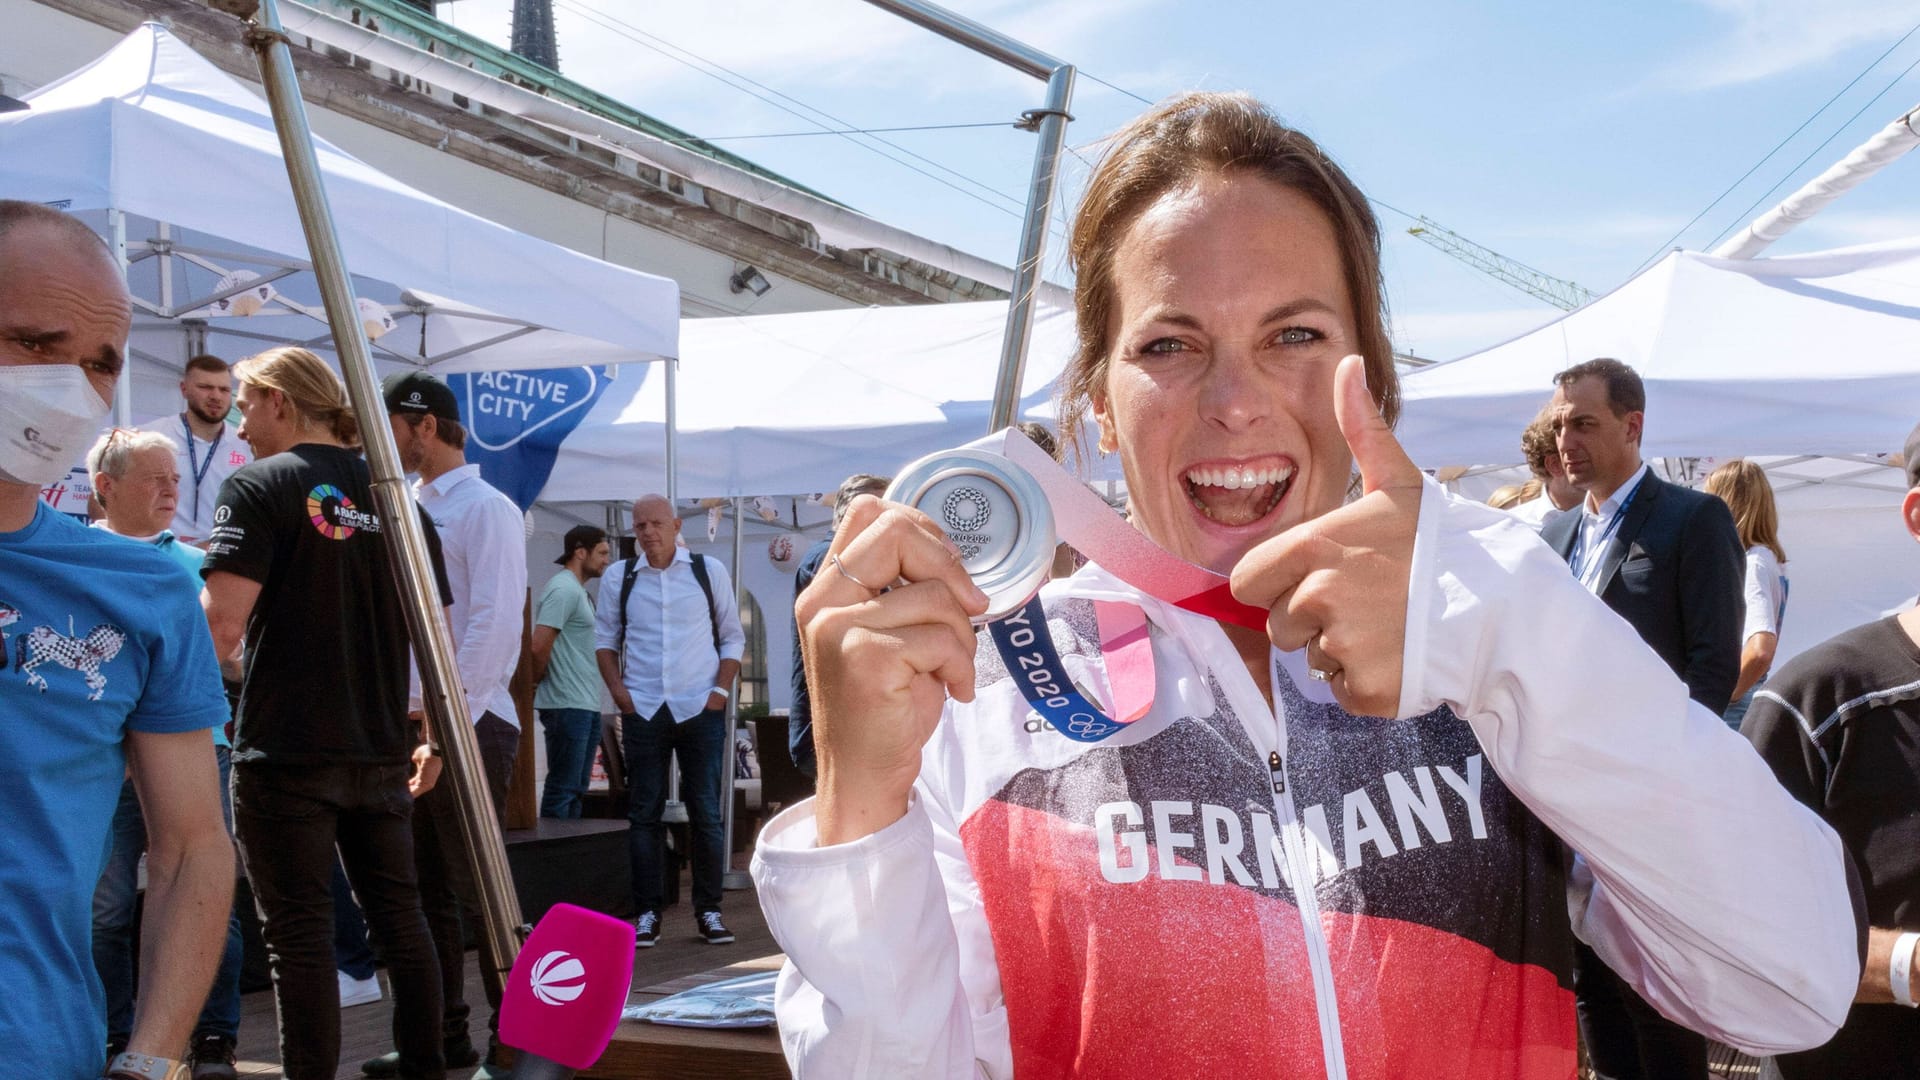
(1743, 486)
(1184, 137)
(316, 394)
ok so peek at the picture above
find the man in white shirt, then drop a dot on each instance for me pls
(209, 451)
(672, 618)
(483, 538)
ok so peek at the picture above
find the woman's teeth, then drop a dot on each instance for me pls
(1237, 496)
(1234, 479)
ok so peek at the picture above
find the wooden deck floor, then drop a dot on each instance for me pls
(365, 1029)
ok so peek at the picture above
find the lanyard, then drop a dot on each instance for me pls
(198, 470)
(1584, 555)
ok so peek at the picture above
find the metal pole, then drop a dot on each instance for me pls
(673, 464)
(1033, 246)
(729, 877)
(446, 701)
(1050, 122)
(123, 388)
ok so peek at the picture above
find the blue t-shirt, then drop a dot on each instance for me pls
(101, 635)
(189, 558)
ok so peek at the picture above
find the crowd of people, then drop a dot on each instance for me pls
(1447, 791)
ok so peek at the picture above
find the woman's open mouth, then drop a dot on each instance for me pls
(1237, 495)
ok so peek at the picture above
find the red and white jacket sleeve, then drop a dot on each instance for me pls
(1698, 879)
(890, 967)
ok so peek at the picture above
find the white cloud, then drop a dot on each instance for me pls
(1765, 38)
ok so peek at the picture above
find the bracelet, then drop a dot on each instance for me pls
(1900, 968)
(722, 691)
(131, 1066)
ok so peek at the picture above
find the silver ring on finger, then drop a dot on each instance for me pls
(834, 558)
(1314, 672)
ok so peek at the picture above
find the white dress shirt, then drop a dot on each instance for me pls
(1599, 527)
(204, 465)
(1538, 511)
(483, 540)
(670, 658)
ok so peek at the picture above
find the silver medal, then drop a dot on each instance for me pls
(994, 512)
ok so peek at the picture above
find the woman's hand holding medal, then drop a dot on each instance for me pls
(881, 664)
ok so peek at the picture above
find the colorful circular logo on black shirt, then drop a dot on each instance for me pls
(333, 514)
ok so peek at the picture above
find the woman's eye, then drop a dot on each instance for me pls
(1161, 346)
(1298, 335)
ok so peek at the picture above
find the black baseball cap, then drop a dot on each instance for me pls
(580, 536)
(419, 394)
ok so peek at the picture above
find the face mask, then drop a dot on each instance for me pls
(48, 413)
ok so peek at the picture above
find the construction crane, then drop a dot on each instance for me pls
(1559, 292)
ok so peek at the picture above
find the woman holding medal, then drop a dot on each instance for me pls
(1326, 840)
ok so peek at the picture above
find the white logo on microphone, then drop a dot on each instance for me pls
(558, 978)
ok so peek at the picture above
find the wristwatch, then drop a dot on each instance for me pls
(132, 1066)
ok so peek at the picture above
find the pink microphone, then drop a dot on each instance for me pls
(563, 1000)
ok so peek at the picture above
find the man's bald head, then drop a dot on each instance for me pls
(62, 299)
(655, 528)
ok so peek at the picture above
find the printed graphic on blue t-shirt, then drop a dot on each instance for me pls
(99, 635)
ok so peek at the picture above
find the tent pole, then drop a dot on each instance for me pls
(729, 877)
(673, 465)
(1887, 146)
(1050, 123)
(123, 388)
(446, 701)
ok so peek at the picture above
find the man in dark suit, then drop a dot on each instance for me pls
(1668, 561)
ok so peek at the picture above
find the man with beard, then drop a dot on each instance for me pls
(210, 450)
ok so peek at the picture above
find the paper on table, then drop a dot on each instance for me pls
(733, 1003)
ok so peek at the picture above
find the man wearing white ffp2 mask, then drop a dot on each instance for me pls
(107, 664)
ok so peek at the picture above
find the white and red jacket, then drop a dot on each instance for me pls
(1396, 902)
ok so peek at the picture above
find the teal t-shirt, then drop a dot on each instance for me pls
(102, 635)
(573, 679)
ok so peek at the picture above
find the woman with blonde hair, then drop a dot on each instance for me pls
(1743, 486)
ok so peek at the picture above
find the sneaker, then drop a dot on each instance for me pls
(212, 1058)
(359, 991)
(459, 1053)
(646, 930)
(714, 930)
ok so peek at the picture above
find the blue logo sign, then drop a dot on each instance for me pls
(516, 421)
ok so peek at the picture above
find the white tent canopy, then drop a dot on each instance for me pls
(153, 130)
(1799, 354)
(1809, 364)
(792, 404)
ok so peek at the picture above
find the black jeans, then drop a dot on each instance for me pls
(1626, 1038)
(649, 746)
(288, 820)
(446, 874)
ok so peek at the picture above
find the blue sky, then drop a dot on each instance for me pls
(1575, 138)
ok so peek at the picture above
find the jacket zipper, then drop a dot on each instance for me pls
(1298, 869)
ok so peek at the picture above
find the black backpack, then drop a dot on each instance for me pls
(699, 575)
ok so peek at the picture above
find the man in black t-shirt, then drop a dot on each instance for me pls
(323, 752)
(1840, 725)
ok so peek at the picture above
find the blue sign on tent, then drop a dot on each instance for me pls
(516, 421)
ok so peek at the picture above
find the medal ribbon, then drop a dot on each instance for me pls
(1083, 520)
